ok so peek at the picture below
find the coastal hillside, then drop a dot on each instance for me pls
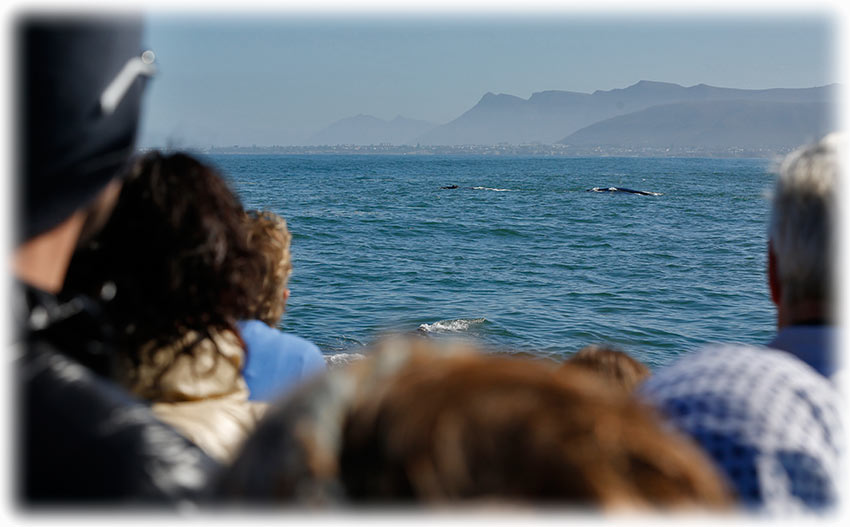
(369, 130)
(720, 125)
(548, 117)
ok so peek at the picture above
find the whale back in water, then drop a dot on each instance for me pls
(622, 189)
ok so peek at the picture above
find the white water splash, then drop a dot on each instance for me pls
(452, 325)
(494, 189)
(338, 360)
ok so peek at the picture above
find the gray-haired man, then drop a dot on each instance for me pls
(770, 418)
(801, 254)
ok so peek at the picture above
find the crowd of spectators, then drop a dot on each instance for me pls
(150, 369)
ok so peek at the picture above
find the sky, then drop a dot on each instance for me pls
(276, 78)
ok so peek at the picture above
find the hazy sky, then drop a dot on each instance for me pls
(278, 78)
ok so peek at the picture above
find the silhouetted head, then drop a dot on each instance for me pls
(78, 93)
(268, 234)
(612, 364)
(72, 144)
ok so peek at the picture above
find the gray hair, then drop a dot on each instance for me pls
(804, 220)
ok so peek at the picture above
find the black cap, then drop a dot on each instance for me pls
(72, 144)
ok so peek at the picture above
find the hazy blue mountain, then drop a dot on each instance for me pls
(369, 130)
(549, 116)
(751, 124)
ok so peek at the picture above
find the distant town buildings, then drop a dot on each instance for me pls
(502, 149)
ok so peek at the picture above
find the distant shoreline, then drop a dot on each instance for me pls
(555, 150)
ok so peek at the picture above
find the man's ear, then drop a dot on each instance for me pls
(285, 297)
(773, 275)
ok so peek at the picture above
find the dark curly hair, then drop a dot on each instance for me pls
(174, 256)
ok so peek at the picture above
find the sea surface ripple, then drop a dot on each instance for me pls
(520, 255)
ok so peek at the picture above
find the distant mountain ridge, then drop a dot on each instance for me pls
(776, 118)
(548, 117)
(368, 130)
(752, 125)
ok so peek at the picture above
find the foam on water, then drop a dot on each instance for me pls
(494, 189)
(339, 360)
(552, 267)
(455, 325)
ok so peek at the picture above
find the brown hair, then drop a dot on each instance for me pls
(614, 365)
(174, 254)
(268, 234)
(483, 427)
(420, 421)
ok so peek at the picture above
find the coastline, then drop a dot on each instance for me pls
(500, 150)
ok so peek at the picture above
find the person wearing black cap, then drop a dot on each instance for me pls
(82, 439)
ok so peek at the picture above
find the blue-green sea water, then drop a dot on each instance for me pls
(520, 256)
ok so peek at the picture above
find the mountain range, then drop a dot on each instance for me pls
(713, 125)
(647, 113)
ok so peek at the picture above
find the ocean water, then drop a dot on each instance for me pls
(520, 256)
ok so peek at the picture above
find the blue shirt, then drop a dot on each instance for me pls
(276, 361)
(814, 345)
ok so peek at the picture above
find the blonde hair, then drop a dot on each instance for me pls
(615, 366)
(268, 234)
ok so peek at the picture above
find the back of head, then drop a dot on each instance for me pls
(71, 144)
(268, 234)
(494, 428)
(614, 365)
(416, 424)
(82, 441)
(174, 255)
(803, 221)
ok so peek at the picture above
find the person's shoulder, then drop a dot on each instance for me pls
(738, 371)
(311, 355)
(741, 358)
(94, 439)
(254, 332)
(256, 329)
(252, 326)
(770, 421)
